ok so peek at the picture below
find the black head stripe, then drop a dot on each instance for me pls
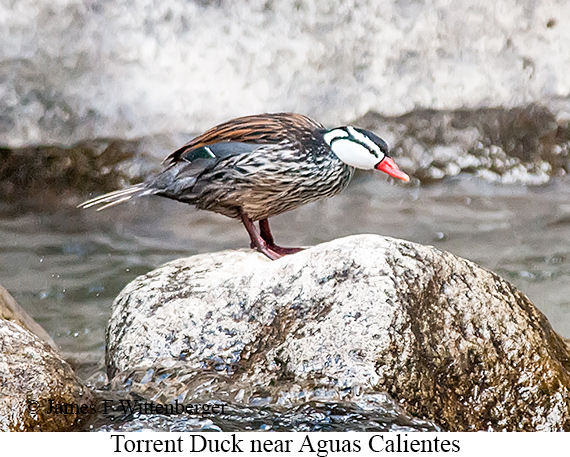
(375, 139)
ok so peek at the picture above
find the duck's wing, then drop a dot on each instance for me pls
(215, 151)
(238, 136)
(256, 130)
(178, 178)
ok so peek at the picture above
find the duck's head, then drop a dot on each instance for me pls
(363, 149)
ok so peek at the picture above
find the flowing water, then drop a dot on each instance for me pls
(66, 266)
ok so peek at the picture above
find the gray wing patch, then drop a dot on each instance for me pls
(179, 178)
(218, 151)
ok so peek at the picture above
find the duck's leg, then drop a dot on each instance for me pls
(268, 238)
(265, 232)
(257, 242)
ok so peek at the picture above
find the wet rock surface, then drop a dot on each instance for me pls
(35, 382)
(343, 321)
(373, 414)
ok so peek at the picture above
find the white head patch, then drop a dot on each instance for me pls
(334, 134)
(354, 148)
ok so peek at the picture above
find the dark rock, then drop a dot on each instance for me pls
(50, 175)
(527, 144)
(35, 381)
(451, 342)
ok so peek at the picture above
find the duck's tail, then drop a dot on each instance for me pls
(117, 196)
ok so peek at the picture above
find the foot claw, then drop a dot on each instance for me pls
(273, 255)
(284, 251)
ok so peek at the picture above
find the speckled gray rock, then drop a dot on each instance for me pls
(31, 375)
(452, 342)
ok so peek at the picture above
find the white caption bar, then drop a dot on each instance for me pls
(325, 444)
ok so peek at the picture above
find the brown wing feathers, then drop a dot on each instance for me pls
(260, 129)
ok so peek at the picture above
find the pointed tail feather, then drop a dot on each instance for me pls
(116, 197)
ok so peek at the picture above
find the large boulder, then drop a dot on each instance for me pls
(451, 342)
(39, 391)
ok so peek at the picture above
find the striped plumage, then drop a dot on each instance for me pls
(259, 166)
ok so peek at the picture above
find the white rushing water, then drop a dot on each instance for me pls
(81, 69)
